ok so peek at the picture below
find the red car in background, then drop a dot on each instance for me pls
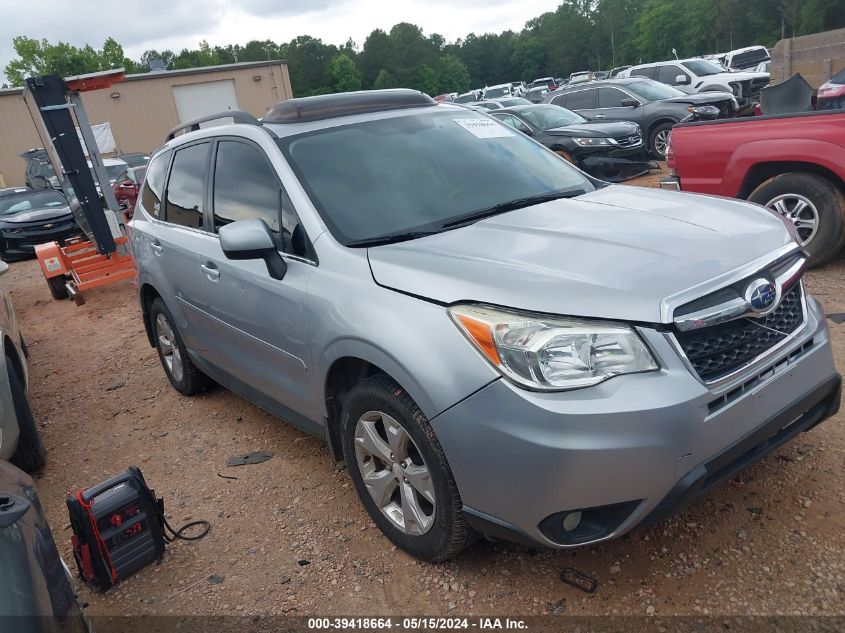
(831, 95)
(127, 186)
(794, 164)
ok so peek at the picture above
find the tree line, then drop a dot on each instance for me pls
(578, 35)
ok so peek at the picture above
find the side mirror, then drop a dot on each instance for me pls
(630, 103)
(681, 80)
(4, 268)
(252, 239)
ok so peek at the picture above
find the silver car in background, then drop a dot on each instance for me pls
(492, 341)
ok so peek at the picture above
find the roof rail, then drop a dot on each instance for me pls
(317, 108)
(237, 116)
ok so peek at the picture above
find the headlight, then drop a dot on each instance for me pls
(594, 142)
(552, 353)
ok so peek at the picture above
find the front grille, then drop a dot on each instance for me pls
(717, 351)
(629, 141)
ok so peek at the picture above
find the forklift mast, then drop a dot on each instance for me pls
(50, 101)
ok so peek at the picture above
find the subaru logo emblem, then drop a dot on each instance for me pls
(760, 295)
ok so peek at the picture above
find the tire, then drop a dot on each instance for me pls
(58, 289)
(447, 533)
(654, 138)
(185, 377)
(821, 199)
(30, 454)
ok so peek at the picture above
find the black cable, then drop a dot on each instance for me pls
(178, 534)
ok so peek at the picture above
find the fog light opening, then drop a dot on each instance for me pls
(571, 521)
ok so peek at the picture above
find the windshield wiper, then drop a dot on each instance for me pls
(390, 238)
(510, 205)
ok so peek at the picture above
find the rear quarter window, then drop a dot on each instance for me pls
(154, 184)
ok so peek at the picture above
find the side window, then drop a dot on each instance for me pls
(650, 72)
(520, 125)
(611, 98)
(560, 100)
(507, 119)
(245, 186)
(581, 100)
(185, 186)
(668, 73)
(153, 185)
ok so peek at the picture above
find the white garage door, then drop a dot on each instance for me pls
(196, 100)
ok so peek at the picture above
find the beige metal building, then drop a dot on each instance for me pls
(145, 107)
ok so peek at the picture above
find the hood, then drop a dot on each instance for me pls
(700, 98)
(37, 215)
(591, 129)
(614, 253)
(742, 75)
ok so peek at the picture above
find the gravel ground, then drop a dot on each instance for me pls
(289, 536)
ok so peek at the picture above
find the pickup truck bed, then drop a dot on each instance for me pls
(794, 164)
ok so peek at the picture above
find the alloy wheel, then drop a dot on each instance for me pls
(168, 347)
(395, 473)
(661, 142)
(800, 211)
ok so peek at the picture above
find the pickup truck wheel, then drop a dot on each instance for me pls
(400, 471)
(658, 140)
(185, 377)
(814, 205)
(30, 454)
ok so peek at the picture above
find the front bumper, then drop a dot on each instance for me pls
(22, 242)
(633, 449)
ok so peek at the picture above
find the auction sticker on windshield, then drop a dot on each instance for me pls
(484, 128)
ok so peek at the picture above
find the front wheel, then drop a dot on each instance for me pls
(658, 140)
(814, 205)
(400, 471)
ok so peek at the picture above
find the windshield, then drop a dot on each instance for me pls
(547, 117)
(465, 98)
(492, 93)
(419, 172)
(113, 171)
(19, 204)
(653, 90)
(702, 67)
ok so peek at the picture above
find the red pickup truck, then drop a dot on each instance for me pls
(794, 164)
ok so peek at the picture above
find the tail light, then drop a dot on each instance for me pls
(670, 155)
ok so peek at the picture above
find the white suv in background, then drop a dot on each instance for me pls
(701, 75)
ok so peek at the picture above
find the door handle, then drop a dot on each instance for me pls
(601, 116)
(157, 247)
(211, 271)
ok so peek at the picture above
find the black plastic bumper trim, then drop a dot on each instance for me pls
(802, 415)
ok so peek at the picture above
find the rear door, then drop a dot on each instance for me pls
(175, 238)
(582, 101)
(260, 323)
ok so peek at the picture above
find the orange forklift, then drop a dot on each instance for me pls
(102, 257)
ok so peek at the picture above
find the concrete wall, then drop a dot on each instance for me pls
(817, 57)
(144, 112)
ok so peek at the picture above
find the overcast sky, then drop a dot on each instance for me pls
(178, 24)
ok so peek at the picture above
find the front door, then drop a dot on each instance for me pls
(260, 323)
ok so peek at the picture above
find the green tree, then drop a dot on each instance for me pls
(426, 81)
(344, 74)
(452, 75)
(384, 80)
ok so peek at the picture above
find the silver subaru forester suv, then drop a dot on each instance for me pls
(493, 341)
